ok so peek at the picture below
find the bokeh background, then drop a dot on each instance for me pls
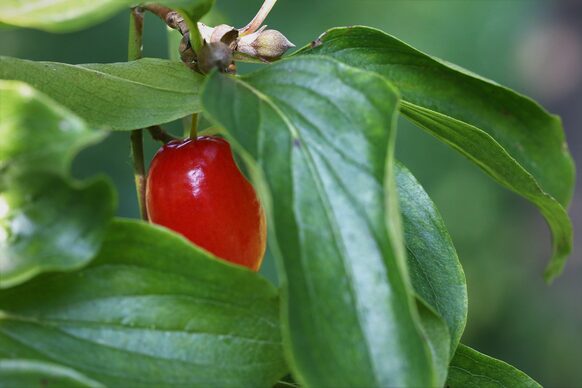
(532, 46)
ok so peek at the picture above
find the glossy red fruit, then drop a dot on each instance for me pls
(195, 188)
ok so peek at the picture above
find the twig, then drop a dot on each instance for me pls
(170, 17)
(134, 52)
(134, 47)
(175, 21)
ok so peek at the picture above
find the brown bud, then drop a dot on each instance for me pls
(225, 34)
(213, 55)
(264, 44)
(221, 33)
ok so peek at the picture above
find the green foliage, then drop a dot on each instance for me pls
(51, 224)
(372, 291)
(322, 138)
(71, 15)
(31, 373)
(122, 96)
(471, 369)
(435, 271)
(46, 222)
(438, 338)
(509, 136)
(37, 133)
(151, 309)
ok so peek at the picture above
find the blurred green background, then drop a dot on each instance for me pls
(532, 46)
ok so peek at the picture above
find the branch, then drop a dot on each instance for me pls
(175, 21)
(172, 18)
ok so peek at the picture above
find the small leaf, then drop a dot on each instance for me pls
(50, 225)
(471, 369)
(38, 133)
(119, 96)
(317, 136)
(438, 338)
(435, 271)
(150, 310)
(509, 136)
(46, 222)
(71, 15)
(31, 373)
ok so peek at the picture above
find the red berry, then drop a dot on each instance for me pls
(195, 188)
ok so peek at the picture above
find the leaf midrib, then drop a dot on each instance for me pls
(82, 68)
(108, 372)
(57, 324)
(311, 165)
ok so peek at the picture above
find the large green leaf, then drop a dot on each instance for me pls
(318, 137)
(150, 310)
(46, 223)
(119, 96)
(509, 136)
(435, 271)
(71, 15)
(31, 373)
(471, 369)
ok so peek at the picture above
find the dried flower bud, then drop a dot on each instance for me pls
(264, 44)
(221, 33)
(245, 43)
(216, 54)
(205, 32)
(225, 34)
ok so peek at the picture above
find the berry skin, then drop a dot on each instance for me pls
(195, 188)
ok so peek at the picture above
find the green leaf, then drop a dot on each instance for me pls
(38, 133)
(435, 271)
(46, 222)
(512, 138)
(437, 335)
(31, 373)
(119, 96)
(471, 369)
(50, 224)
(318, 137)
(150, 310)
(71, 15)
(59, 15)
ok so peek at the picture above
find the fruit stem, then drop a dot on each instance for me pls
(194, 127)
(159, 134)
(258, 19)
(134, 52)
